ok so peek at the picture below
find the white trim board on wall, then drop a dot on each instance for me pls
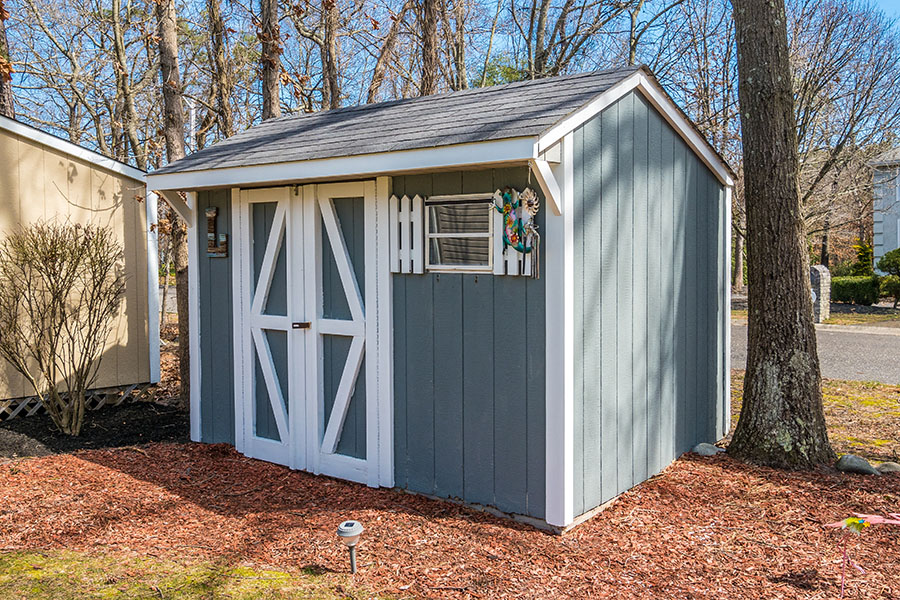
(151, 205)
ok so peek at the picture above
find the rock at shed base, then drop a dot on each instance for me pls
(705, 449)
(888, 467)
(850, 463)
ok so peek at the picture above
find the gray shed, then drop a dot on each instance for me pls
(361, 308)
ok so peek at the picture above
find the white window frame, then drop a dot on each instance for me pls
(487, 198)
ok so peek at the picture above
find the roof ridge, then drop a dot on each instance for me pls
(498, 88)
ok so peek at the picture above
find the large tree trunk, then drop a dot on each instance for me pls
(6, 95)
(223, 85)
(782, 421)
(270, 59)
(173, 130)
(332, 91)
(429, 22)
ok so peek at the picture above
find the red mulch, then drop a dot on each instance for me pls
(706, 528)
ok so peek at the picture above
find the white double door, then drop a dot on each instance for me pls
(301, 390)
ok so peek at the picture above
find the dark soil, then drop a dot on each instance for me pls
(109, 427)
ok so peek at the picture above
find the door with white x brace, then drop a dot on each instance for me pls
(304, 400)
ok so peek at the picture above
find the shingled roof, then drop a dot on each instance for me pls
(521, 109)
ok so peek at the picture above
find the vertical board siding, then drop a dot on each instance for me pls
(216, 350)
(648, 235)
(469, 373)
(42, 183)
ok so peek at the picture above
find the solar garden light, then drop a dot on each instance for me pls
(349, 532)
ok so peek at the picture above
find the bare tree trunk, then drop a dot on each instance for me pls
(737, 275)
(270, 59)
(429, 47)
(459, 50)
(123, 86)
(173, 130)
(386, 54)
(6, 96)
(223, 84)
(824, 259)
(782, 421)
(332, 86)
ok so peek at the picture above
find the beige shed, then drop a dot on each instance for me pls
(43, 177)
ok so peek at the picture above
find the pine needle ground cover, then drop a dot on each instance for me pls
(173, 520)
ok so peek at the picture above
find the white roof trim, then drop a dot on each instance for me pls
(655, 95)
(521, 149)
(51, 141)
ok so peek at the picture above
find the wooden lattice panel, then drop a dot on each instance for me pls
(32, 405)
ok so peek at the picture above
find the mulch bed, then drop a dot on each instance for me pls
(705, 528)
(109, 427)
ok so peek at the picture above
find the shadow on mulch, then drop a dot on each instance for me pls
(109, 427)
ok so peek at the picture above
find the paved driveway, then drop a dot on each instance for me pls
(845, 352)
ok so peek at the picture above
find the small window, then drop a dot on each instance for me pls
(459, 232)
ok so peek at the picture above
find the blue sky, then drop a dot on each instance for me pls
(891, 7)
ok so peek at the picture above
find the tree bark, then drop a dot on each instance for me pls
(429, 47)
(824, 258)
(7, 108)
(173, 131)
(737, 274)
(270, 59)
(332, 95)
(223, 83)
(782, 420)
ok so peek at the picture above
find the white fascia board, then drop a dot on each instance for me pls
(74, 150)
(512, 150)
(655, 95)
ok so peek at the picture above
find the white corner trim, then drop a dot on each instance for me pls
(74, 150)
(511, 150)
(560, 324)
(549, 185)
(236, 248)
(384, 330)
(193, 241)
(726, 312)
(179, 206)
(657, 97)
(152, 202)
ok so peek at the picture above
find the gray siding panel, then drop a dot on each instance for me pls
(469, 377)
(216, 358)
(648, 229)
(581, 420)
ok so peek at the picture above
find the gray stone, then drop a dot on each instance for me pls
(820, 281)
(705, 449)
(888, 467)
(850, 463)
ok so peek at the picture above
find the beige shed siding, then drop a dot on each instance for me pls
(38, 182)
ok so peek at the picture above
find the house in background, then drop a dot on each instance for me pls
(43, 177)
(356, 312)
(886, 217)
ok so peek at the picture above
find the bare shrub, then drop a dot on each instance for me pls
(60, 289)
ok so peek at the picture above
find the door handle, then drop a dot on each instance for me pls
(301, 325)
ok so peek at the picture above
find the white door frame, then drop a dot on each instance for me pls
(371, 324)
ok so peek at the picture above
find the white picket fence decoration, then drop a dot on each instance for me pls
(507, 261)
(407, 234)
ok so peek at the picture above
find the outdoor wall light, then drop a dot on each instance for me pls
(349, 532)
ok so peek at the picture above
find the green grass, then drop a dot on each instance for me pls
(64, 575)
